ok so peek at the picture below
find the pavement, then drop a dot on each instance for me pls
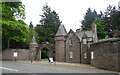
(64, 64)
(43, 62)
(47, 67)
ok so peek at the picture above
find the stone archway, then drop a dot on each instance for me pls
(45, 53)
(47, 46)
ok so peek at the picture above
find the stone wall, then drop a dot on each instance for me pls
(85, 54)
(60, 48)
(23, 54)
(73, 45)
(106, 54)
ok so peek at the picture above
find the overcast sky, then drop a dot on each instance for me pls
(71, 12)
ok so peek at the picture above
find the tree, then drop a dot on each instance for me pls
(108, 22)
(0, 25)
(15, 32)
(101, 28)
(89, 18)
(48, 26)
(112, 19)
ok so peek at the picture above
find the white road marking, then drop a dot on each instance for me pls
(8, 69)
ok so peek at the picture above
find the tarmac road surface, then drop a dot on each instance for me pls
(28, 68)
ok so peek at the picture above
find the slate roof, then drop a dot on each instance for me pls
(33, 41)
(61, 31)
(81, 33)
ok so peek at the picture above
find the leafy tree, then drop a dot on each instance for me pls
(15, 33)
(112, 19)
(48, 26)
(108, 22)
(89, 18)
(0, 25)
(101, 28)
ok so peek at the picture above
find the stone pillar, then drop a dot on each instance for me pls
(60, 39)
(33, 48)
(60, 48)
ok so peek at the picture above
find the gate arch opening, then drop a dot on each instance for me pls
(45, 50)
(45, 53)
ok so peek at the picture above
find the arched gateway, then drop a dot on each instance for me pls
(45, 45)
(36, 50)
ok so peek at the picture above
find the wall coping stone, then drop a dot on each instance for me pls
(106, 40)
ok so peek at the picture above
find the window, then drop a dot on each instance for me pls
(84, 41)
(92, 55)
(85, 55)
(71, 54)
(70, 42)
(53, 51)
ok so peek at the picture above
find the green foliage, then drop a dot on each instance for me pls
(101, 28)
(45, 53)
(0, 25)
(106, 22)
(49, 25)
(13, 10)
(89, 18)
(15, 33)
(112, 19)
(45, 59)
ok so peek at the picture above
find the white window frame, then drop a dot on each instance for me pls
(85, 55)
(71, 54)
(84, 41)
(70, 42)
(92, 55)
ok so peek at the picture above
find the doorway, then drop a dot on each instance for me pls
(45, 53)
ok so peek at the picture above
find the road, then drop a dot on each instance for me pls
(27, 67)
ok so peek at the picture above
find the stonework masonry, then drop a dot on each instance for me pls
(60, 48)
(23, 54)
(106, 54)
(73, 47)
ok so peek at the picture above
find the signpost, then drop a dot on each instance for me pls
(51, 60)
(15, 54)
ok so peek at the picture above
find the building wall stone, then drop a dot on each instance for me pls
(60, 48)
(85, 54)
(106, 54)
(23, 54)
(72, 45)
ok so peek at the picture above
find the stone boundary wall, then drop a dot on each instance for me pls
(106, 54)
(23, 54)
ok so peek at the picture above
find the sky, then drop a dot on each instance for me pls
(70, 12)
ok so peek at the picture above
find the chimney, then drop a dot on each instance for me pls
(94, 29)
(119, 6)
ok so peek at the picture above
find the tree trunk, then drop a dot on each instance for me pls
(8, 44)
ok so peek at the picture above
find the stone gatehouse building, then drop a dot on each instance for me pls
(73, 46)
